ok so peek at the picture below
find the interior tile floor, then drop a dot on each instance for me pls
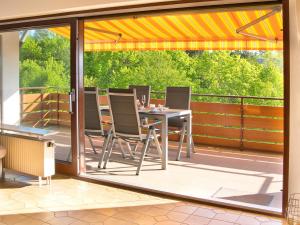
(69, 201)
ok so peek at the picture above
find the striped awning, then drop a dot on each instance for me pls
(194, 31)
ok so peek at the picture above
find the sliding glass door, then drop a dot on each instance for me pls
(39, 88)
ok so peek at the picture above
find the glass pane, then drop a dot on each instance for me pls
(37, 82)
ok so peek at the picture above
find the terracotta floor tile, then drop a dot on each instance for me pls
(228, 217)
(166, 206)
(154, 211)
(30, 221)
(93, 218)
(247, 220)
(13, 219)
(145, 220)
(60, 214)
(196, 220)
(80, 223)
(44, 216)
(78, 214)
(168, 223)
(106, 212)
(127, 215)
(177, 216)
(188, 209)
(219, 222)
(113, 221)
(98, 223)
(272, 223)
(62, 221)
(161, 218)
(205, 212)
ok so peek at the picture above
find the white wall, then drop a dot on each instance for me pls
(294, 178)
(10, 78)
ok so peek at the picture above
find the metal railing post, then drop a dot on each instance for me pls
(57, 106)
(242, 125)
(42, 106)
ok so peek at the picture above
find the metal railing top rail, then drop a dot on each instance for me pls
(163, 93)
(42, 88)
(226, 96)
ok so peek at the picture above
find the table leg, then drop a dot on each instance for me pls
(164, 142)
(1, 169)
(40, 181)
(189, 136)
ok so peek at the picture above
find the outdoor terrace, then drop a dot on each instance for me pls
(238, 157)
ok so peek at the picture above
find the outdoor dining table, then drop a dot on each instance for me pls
(163, 116)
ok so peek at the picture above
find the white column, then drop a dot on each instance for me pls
(294, 168)
(9, 72)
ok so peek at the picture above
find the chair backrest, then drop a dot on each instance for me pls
(92, 112)
(140, 91)
(178, 97)
(124, 113)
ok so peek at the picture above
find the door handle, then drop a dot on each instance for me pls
(71, 100)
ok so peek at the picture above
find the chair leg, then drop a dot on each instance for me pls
(157, 144)
(122, 149)
(182, 134)
(91, 142)
(143, 153)
(104, 149)
(193, 146)
(135, 148)
(109, 152)
(129, 150)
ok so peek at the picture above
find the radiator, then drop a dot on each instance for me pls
(29, 155)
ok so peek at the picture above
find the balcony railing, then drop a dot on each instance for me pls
(238, 124)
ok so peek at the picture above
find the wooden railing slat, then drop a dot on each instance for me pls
(232, 133)
(215, 107)
(270, 111)
(221, 120)
(263, 123)
(265, 136)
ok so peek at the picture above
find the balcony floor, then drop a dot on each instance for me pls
(229, 176)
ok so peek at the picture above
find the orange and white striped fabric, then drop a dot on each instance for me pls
(194, 31)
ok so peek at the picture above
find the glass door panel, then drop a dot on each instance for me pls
(45, 86)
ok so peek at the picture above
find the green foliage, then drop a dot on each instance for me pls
(120, 69)
(45, 61)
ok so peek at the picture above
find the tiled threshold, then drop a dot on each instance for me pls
(205, 199)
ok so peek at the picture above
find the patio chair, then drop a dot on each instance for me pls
(178, 98)
(140, 91)
(127, 125)
(93, 121)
